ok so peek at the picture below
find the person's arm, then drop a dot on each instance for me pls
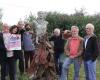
(52, 38)
(96, 48)
(80, 47)
(2, 47)
(66, 48)
(6, 41)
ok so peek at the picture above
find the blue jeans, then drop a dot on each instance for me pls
(90, 69)
(65, 67)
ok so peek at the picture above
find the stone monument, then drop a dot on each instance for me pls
(40, 25)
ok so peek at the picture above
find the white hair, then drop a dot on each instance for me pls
(57, 30)
(75, 27)
(20, 22)
(5, 24)
(90, 25)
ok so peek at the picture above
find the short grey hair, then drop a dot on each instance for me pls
(90, 25)
(57, 30)
(75, 27)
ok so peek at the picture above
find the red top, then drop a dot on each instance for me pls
(73, 46)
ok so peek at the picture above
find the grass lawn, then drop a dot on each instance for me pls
(82, 75)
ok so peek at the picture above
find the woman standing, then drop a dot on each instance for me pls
(8, 62)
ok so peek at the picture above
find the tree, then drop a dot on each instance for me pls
(29, 18)
(79, 18)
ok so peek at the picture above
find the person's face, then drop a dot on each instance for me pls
(14, 30)
(41, 15)
(20, 25)
(89, 30)
(5, 28)
(28, 27)
(56, 33)
(74, 31)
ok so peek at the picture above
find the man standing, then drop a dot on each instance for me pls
(73, 49)
(90, 52)
(28, 46)
(19, 53)
(58, 49)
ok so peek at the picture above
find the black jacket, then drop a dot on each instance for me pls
(91, 51)
(58, 43)
(2, 48)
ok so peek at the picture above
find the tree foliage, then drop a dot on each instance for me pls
(29, 18)
(65, 21)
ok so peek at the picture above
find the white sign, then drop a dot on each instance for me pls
(15, 42)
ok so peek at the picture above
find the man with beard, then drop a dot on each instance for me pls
(28, 45)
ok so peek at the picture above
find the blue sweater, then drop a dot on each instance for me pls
(27, 41)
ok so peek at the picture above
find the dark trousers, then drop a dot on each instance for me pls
(4, 70)
(8, 66)
(58, 65)
(18, 54)
(28, 58)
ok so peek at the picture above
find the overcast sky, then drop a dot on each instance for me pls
(13, 10)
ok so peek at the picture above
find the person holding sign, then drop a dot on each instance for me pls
(7, 61)
(15, 41)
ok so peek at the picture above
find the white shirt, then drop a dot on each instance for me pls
(86, 40)
(6, 37)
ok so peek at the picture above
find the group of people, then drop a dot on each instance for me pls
(76, 49)
(9, 57)
(29, 40)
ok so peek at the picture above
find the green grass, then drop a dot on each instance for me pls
(82, 75)
(71, 71)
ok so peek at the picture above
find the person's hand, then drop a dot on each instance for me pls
(72, 57)
(75, 56)
(8, 50)
(31, 32)
(67, 55)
